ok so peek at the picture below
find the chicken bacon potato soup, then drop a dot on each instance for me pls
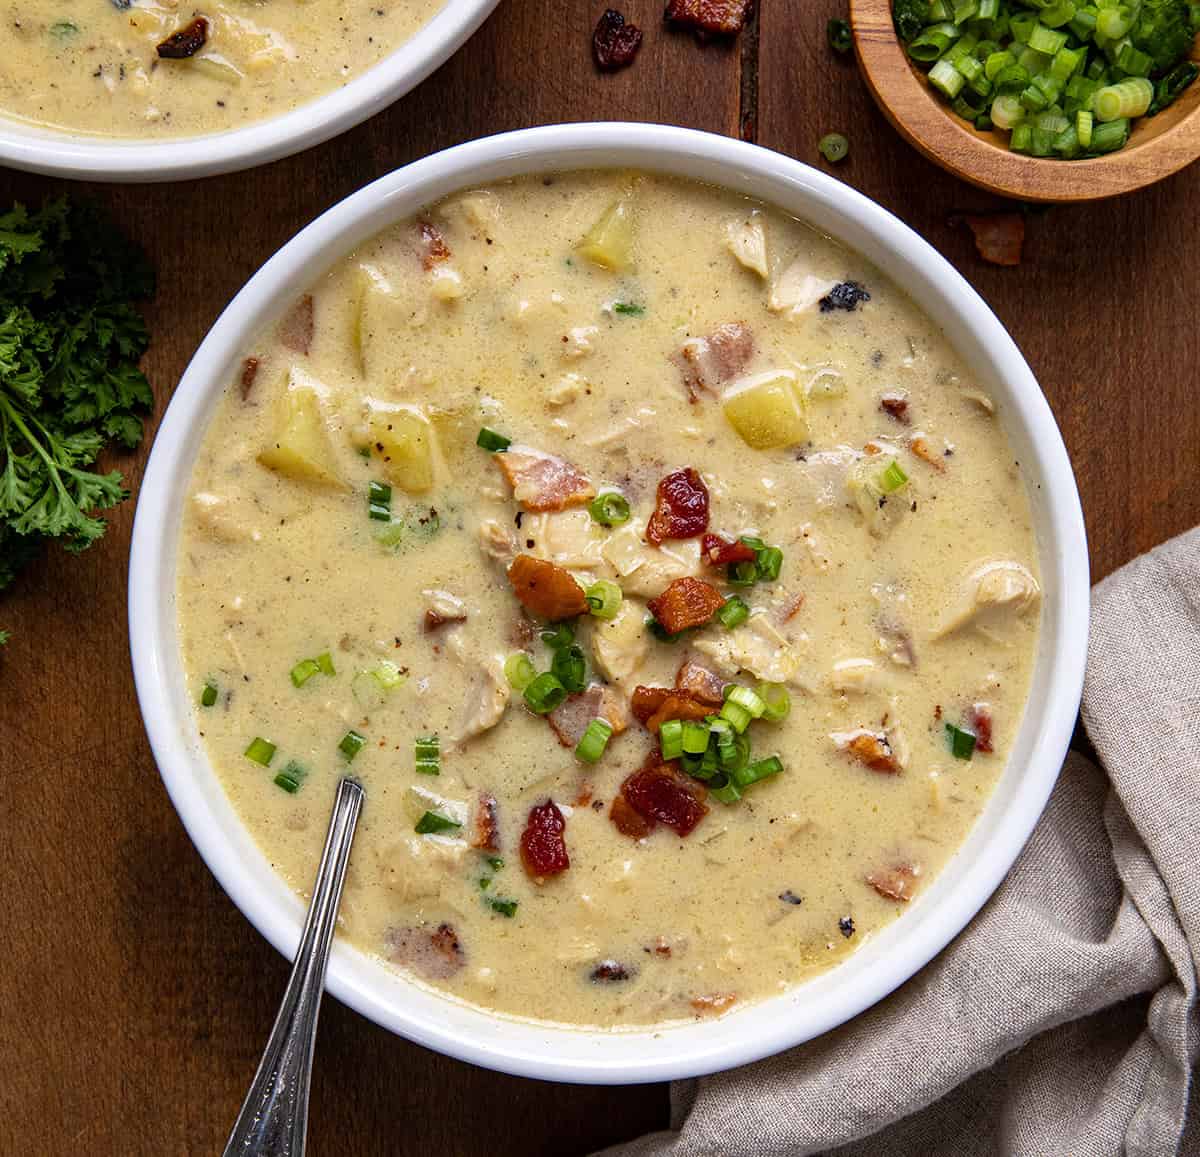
(158, 68)
(654, 563)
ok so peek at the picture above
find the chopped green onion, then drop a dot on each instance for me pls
(628, 308)
(892, 478)
(769, 563)
(304, 670)
(351, 744)
(490, 440)
(742, 574)
(695, 737)
(604, 599)
(595, 739)
(747, 698)
(559, 636)
(735, 755)
(670, 738)
(503, 907)
(609, 508)
(1110, 136)
(759, 769)
(733, 613)
(519, 671)
(544, 694)
(841, 39)
(946, 78)
(1130, 98)
(494, 862)
(834, 147)
(291, 777)
(485, 882)
(723, 789)
(209, 695)
(569, 667)
(1047, 40)
(962, 743)
(427, 753)
(1083, 128)
(379, 501)
(1171, 85)
(433, 822)
(261, 751)
(776, 701)
(325, 663)
(737, 716)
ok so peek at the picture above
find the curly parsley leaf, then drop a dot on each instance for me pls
(70, 341)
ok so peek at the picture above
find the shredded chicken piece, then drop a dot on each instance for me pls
(619, 645)
(645, 570)
(486, 699)
(442, 608)
(747, 241)
(898, 882)
(853, 676)
(995, 594)
(750, 647)
(496, 541)
(798, 290)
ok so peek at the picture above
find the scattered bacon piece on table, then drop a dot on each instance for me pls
(700, 683)
(547, 590)
(249, 373)
(895, 405)
(485, 827)
(543, 848)
(614, 42)
(980, 719)
(661, 794)
(681, 510)
(687, 602)
(434, 249)
(998, 236)
(185, 42)
(296, 329)
(708, 362)
(436, 954)
(569, 720)
(543, 481)
(714, 1004)
(716, 551)
(870, 749)
(717, 17)
(895, 883)
(921, 449)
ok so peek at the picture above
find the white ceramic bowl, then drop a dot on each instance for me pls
(887, 959)
(92, 158)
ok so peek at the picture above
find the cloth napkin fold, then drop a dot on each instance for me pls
(1064, 1019)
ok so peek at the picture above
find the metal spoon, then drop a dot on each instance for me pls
(274, 1117)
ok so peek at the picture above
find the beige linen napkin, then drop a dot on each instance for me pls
(1064, 1020)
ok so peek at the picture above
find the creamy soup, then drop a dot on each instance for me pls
(159, 68)
(670, 454)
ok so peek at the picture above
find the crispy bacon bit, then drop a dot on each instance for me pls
(716, 551)
(296, 328)
(980, 720)
(714, 1003)
(790, 609)
(541, 481)
(687, 602)
(895, 405)
(998, 236)
(660, 948)
(609, 972)
(645, 701)
(716, 17)
(896, 883)
(707, 362)
(583, 797)
(677, 707)
(436, 619)
(485, 827)
(870, 748)
(569, 720)
(186, 41)
(627, 821)
(436, 955)
(249, 373)
(614, 43)
(700, 683)
(434, 249)
(845, 295)
(543, 849)
(661, 794)
(547, 590)
(681, 510)
(920, 448)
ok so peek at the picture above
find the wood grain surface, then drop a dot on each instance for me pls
(135, 998)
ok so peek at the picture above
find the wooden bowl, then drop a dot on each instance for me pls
(1158, 146)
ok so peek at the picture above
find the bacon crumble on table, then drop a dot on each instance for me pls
(614, 41)
(549, 591)
(434, 249)
(687, 602)
(485, 825)
(661, 794)
(717, 551)
(708, 362)
(998, 236)
(296, 328)
(714, 17)
(543, 847)
(898, 882)
(681, 508)
(541, 481)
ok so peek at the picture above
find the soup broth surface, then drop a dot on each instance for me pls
(662, 340)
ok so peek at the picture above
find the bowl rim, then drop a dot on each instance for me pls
(915, 113)
(60, 153)
(882, 963)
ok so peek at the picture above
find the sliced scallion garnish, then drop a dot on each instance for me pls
(595, 739)
(351, 744)
(753, 772)
(670, 738)
(609, 508)
(489, 440)
(208, 696)
(427, 753)
(544, 694)
(291, 777)
(962, 742)
(303, 671)
(379, 501)
(733, 613)
(604, 599)
(569, 667)
(777, 702)
(502, 907)
(433, 822)
(519, 671)
(261, 751)
(695, 737)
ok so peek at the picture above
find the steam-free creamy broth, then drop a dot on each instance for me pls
(822, 509)
(159, 68)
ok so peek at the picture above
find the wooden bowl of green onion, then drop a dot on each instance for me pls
(1042, 100)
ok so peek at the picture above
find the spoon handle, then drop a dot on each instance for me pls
(274, 1117)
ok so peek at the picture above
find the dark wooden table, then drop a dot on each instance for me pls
(134, 997)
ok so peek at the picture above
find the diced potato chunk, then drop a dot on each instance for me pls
(767, 410)
(404, 440)
(609, 242)
(300, 447)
